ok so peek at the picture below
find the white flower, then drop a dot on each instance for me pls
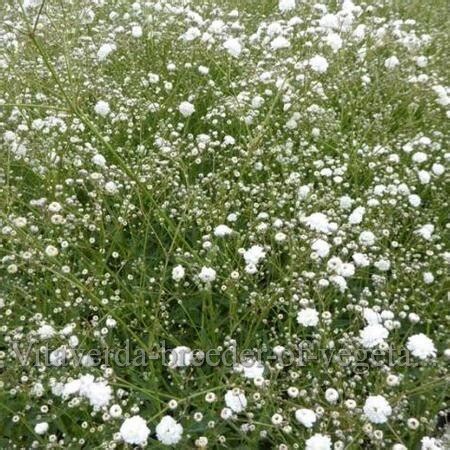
(111, 187)
(286, 5)
(55, 207)
(115, 411)
(308, 317)
(102, 108)
(207, 274)
(329, 21)
(222, 231)
(280, 237)
(356, 216)
(41, 428)
(414, 200)
(99, 394)
(391, 62)
(136, 31)
(46, 331)
(71, 387)
(105, 50)
(235, 400)
(317, 222)
(276, 419)
(254, 255)
(347, 270)
(428, 277)
(421, 61)
(361, 259)
(181, 356)
(438, 169)
(421, 346)
(169, 431)
(399, 447)
(99, 160)
(233, 47)
(134, 430)
(279, 42)
(318, 442)
(191, 34)
(425, 231)
(331, 395)
(51, 250)
(377, 409)
(334, 41)
(307, 417)
(383, 265)
(367, 238)
(251, 369)
(178, 273)
(371, 316)
(31, 3)
(226, 413)
(321, 247)
(428, 443)
(319, 64)
(340, 282)
(186, 109)
(373, 335)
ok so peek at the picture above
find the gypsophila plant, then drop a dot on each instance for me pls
(223, 224)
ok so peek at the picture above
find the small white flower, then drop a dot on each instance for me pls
(391, 63)
(207, 274)
(115, 411)
(317, 222)
(331, 395)
(178, 273)
(111, 188)
(102, 108)
(222, 231)
(191, 34)
(308, 317)
(169, 431)
(307, 417)
(235, 400)
(99, 394)
(105, 50)
(279, 42)
(254, 255)
(46, 331)
(367, 238)
(134, 430)
(251, 369)
(414, 200)
(421, 346)
(233, 47)
(373, 335)
(99, 160)
(136, 31)
(321, 247)
(377, 409)
(428, 443)
(318, 442)
(319, 64)
(186, 109)
(181, 356)
(51, 251)
(41, 428)
(286, 5)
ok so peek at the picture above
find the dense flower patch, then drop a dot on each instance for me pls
(223, 224)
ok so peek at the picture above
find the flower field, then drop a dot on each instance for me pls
(224, 224)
